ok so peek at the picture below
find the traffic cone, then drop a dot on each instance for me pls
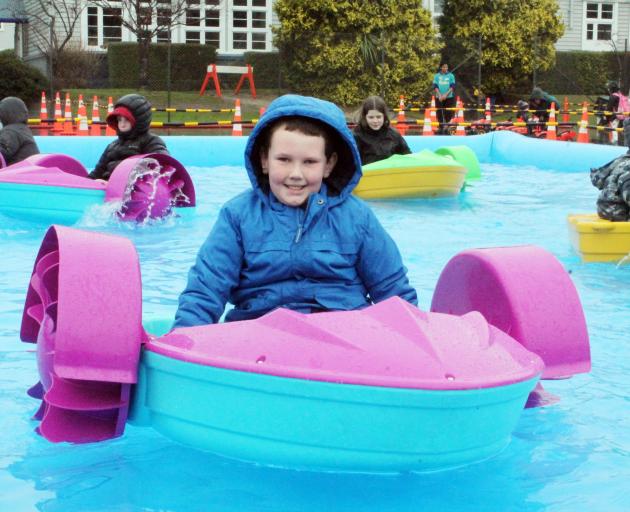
(551, 124)
(583, 131)
(58, 126)
(95, 127)
(433, 113)
(67, 114)
(401, 124)
(237, 127)
(488, 111)
(460, 130)
(82, 128)
(43, 116)
(565, 108)
(427, 129)
(110, 108)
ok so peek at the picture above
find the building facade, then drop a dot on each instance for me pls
(237, 26)
(601, 25)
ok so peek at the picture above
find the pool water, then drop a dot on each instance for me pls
(574, 455)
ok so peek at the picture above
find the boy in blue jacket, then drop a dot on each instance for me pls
(298, 239)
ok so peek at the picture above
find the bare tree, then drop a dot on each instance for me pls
(146, 19)
(51, 25)
(51, 22)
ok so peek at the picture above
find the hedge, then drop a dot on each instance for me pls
(20, 79)
(585, 73)
(188, 65)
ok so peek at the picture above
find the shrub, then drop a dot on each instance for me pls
(19, 79)
(188, 65)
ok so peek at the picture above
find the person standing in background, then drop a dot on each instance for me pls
(444, 90)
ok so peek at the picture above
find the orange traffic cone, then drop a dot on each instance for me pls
(237, 127)
(43, 116)
(401, 124)
(95, 127)
(67, 114)
(58, 126)
(82, 128)
(110, 108)
(460, 130)
(433, 113)
(551, 124)
(565, 108)
(583, 131)
(427, 129)
(488, 111)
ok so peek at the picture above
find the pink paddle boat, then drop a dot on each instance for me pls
(385, 389)
(56, 189)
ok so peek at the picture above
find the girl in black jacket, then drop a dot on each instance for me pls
(375, 138)
(131, 118)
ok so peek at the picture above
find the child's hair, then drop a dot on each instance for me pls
(373, 103)
(341, 173)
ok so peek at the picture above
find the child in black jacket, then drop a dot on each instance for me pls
(613, 179)
(16, 139)
(131, 118)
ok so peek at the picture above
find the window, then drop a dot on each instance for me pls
(212, 18)
(239, 40)
(193, 17)
(599, 21)
(112, 26)
(259, 3)
(259, 19)
(192, 37)
(164, 21)
(213, 39)
(92, 26)
(240, 3)
(239, 19)
(259, 41)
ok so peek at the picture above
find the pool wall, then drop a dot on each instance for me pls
(502, 147)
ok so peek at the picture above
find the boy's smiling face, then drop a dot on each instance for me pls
(296, 165)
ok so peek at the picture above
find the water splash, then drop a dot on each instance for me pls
(152, 192)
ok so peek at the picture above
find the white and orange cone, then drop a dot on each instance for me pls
(583, 131)
(43, 116)
(237, 127)
(551, 124)
(401, 124)
(427, 129)
(110, 108)
(95, 127)
(460, 130)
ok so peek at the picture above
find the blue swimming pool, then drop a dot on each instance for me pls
(574, 455)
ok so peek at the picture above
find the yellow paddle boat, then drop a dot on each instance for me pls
(596, 239)
(423, 174)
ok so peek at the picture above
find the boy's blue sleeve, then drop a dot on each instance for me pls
(213, 276)
(380, 265)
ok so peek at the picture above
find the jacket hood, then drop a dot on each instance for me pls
(346, 173)
(13, 110)
(140, 108)
(537, 93)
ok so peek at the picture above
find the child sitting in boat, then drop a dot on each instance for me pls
(298, 239)
(131, 118)
(375, 138)
(16, 139)
(613, 179)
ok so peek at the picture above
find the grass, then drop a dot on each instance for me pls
(250, 107)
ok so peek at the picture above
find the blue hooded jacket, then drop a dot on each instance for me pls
(261, 254)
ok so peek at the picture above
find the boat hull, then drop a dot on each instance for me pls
(316, 425)
(596, 239)
(422, 182)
